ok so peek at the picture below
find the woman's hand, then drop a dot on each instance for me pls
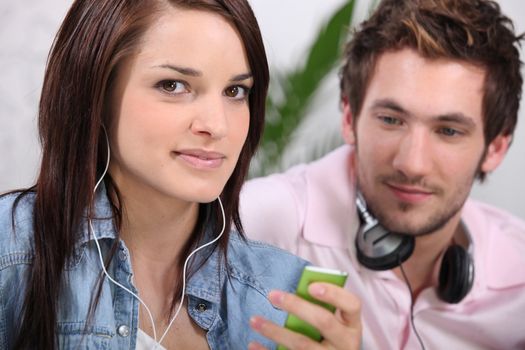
(340, 330)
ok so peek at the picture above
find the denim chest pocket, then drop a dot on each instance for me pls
(76, 336)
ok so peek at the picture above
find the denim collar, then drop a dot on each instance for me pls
(204, 284)
(102, 221)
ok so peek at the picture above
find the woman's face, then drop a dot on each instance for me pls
(180, 112)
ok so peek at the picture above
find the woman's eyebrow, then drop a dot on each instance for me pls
(182, 70)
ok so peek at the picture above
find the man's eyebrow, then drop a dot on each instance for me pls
(458, 118)
(389, 104)
(452, 117)
(182, 70)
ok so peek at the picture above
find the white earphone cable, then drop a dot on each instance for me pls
(157, 343)
(100, 251)
(185, 265)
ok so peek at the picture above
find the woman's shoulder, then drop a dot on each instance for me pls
(16, 224)
(19, 203)
(263, 266)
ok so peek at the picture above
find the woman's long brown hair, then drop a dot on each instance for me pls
(95, 37)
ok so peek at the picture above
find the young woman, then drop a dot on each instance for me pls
(149, 115)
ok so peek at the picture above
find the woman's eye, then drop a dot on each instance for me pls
(237, 92)
(173, 86)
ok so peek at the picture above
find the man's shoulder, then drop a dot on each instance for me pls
(277, 208)
(298, 175)
(272, 205)
(499, 243)
(489, 217)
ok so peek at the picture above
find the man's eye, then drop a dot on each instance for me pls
(449, 132)
(173, 86)
(237, 92)
(390, 120)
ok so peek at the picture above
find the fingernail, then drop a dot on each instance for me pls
(254, 346)
(316, 289)
(276, 297)
(256, 322)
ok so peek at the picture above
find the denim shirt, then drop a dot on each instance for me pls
(220, 305)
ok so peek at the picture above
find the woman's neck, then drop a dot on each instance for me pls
(157, 231)
(155, 226)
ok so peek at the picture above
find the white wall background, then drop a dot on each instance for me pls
(27, 28)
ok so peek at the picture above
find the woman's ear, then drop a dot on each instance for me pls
(496, 151)
(347, 123)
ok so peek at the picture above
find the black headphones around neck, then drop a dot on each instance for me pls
(379, 249)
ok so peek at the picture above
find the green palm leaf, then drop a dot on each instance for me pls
(291, 94)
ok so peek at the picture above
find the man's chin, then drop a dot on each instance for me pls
(415, 228)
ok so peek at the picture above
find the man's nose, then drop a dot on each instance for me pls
(414, 154)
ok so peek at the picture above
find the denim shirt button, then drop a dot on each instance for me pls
(123, 331)
(201, 307)
(122, 255)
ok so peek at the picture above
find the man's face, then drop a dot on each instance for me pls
(419, 140)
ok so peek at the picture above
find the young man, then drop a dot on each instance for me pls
(430, 94)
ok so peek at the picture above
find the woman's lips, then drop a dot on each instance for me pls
(410, 194)
(201, 159)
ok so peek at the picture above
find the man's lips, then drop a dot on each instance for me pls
(411, 194)
(201, 159)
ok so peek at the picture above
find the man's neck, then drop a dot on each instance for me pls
(422, 268)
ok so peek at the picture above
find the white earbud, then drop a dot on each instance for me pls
(157, 343)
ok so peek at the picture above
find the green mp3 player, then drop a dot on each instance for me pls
(313, 274)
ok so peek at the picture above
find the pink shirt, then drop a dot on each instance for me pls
(310, 211)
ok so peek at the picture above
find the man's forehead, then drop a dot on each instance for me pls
(406, 80)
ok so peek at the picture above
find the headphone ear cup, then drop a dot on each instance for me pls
(456, 275)
(379, 249)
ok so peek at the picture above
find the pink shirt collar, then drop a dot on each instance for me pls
(330, 205)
